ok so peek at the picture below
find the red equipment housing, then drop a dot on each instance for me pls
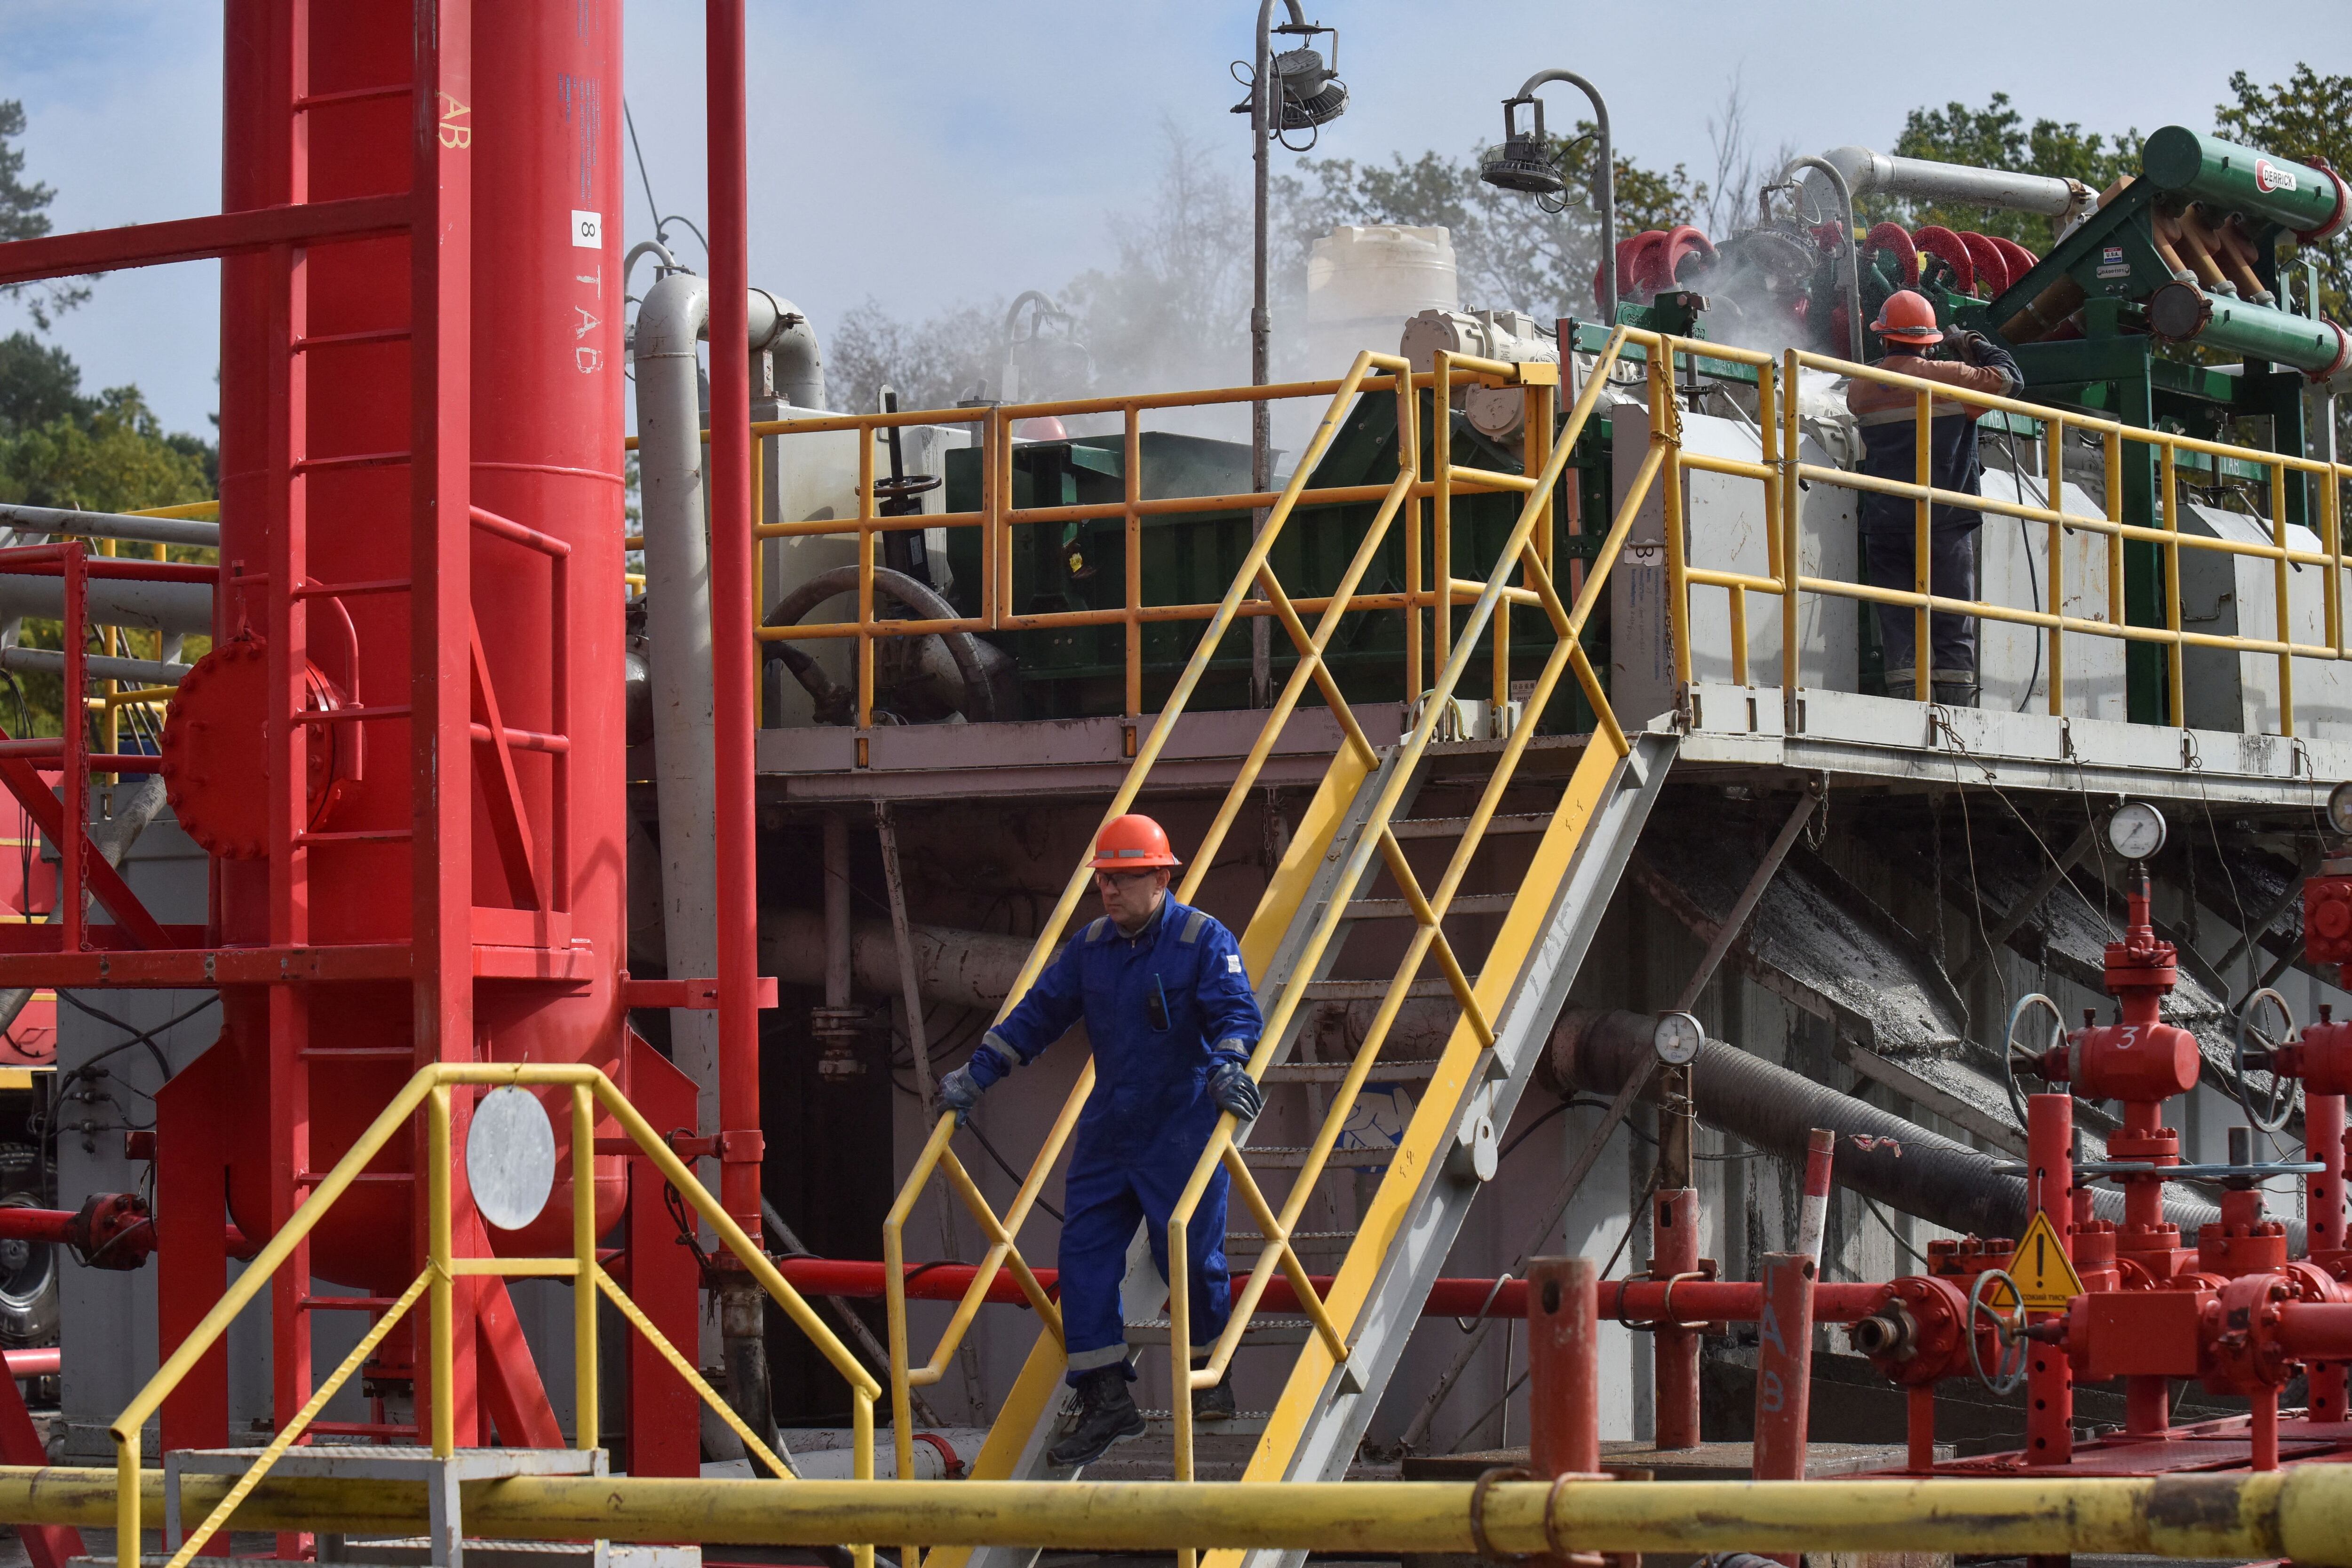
(316, 417)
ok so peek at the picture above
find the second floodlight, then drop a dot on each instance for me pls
(1523, 161)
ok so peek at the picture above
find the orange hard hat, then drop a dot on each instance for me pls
(1132, 842)
(1907, 318)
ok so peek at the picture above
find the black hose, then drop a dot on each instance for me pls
(980, 697)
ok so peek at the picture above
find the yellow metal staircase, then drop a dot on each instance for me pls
(1350, 862)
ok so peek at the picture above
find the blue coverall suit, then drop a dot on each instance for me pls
(1163, 1008)
(1889, 524)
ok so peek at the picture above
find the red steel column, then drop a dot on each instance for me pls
(1674, 1251)
(731, 616)
(1784, 1366)
(441, 599)
(2049, 1375)
(1563, 1367)
(2323, 1140)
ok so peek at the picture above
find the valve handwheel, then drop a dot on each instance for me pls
(2264, 1024)
(2009, 1367)
(2010, 1057)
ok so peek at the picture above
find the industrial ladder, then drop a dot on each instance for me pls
(1351, 837)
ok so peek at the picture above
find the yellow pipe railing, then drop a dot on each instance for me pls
(431, 1090)
(2324, 483)
(1004, 1249)
(1518, 553)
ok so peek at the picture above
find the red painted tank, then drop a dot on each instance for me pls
(547, 387)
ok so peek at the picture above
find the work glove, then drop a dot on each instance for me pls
(1233, 1089)
(1969, 346)
(960, 1092)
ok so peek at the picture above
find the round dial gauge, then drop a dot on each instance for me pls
(2339, 807)
(1677, 1038)
(2137, 830)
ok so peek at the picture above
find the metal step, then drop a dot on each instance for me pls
(1300, 1240)
(1325, 1410)
(1464, 903)
(1245, 1423)
(1333, 1072)
(1373, 990)
(1451, 827)
(417, 1552)
(1261, 1331)
(1280, 1159)
(388, 1462)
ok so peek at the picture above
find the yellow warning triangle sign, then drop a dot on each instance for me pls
(2045, 1274)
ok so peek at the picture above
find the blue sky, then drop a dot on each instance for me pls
(926, 151)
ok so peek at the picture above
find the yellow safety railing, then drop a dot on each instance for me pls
(1781, 473)
(431, 1090)
(997, 517)
(1520, 554)
(1527, 553)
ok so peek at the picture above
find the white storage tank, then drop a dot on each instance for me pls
(1364, 282)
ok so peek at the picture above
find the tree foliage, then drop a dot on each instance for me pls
(1509, 252)
(107, 453)
(23, 214)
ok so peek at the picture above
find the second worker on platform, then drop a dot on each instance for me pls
(1172, 1019)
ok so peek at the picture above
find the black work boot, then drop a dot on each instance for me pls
(1954, 688)
(1215, 1403)
(1106, 1415)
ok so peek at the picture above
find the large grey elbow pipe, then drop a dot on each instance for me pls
(676, 315)
(1869, 173)
(1880, 1154)
(1852, 256)
(799, 357)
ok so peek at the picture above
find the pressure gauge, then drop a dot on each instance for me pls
(1676, 1039)
(2339, 807)
(2137, 830)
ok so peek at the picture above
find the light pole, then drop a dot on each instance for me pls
(1312, 95)
(1523, 162)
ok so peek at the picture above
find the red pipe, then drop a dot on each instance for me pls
(1784, 1371)
(2323, 1140)
(731, 683)
(2049, 1182)
(2317, 1330)
(50, 1225)
(1674, 1238)
(1640, 1302)
(41, 1362)
(1563, 1369)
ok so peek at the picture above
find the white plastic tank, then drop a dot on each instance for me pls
(1364, 282)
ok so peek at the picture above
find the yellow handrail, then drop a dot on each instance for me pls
(1782, 472)
(430, 1089)
(1518, 553)
(936, 1156)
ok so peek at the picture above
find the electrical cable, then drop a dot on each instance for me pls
(1006, 1166)
(653, 207)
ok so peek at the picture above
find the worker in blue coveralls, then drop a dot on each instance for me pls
(1172, 1019)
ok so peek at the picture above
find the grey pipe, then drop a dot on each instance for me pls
(952, 968)
(1904, 1166)
(675, 316)
(111, 526)
(1869, 173)
(1604, 195)
(779, 327)
(98, 666)
(175, 608)
(1852, 256)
